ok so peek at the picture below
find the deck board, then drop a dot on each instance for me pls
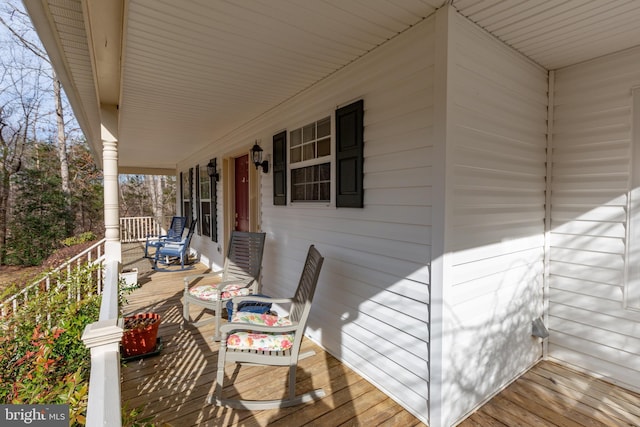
(174, 385)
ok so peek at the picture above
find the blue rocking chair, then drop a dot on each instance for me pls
(179, 250)
(174, 234)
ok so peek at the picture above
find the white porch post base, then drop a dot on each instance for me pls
(103, 338)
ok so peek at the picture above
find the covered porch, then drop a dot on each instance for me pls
(489, 185)
(173, 386)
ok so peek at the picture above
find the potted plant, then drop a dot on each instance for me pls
(140, 334)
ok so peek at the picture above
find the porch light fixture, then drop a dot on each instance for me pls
(256, 152)
(211, 170)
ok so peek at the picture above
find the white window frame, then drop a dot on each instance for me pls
(317, 161)
(203, 177)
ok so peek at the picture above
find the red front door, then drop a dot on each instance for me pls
(242, 193)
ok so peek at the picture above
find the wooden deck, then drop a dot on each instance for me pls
(173, 386)
(554, 395)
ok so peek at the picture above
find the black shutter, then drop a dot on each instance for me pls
(350, 155)
(181, 196)
(214, 204)
(280, 168)
(190, 213)
(197, 210)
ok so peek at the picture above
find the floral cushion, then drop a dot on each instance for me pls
(210, 292)
(262, 341)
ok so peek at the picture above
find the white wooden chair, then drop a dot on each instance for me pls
(239, 276)
(264, 339)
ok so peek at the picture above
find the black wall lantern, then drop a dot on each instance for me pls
(211, 170)
(256, 152)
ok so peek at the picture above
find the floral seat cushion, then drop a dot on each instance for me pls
(261, 341)
(210, 292)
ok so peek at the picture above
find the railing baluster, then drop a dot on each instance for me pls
(136, 229)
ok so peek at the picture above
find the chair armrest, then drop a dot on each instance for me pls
(191, 278)
(156, 236)
(232, 281)
(229, 327)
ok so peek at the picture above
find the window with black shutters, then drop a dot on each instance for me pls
(310, 156)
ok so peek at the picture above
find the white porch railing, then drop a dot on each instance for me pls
(103, 339)
(56, 278)
(137, 228)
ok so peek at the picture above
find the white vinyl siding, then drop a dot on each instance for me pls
(495, 190)
(589, 326)
(371, 307)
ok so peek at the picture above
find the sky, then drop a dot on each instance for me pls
(21, 82)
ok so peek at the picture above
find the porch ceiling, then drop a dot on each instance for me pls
(185, 74)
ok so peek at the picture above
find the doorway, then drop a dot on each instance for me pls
(240, 194)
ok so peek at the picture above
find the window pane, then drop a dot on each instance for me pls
(297, 192)
(324, 147)
(296, 137)
(204, 184)
(297, 175)
(309, 192)
(204, 191)
(325, 171)
(324, 127)
(325, 191)
(296, 155)
(309, 152)
(309, 132)
(206, 218)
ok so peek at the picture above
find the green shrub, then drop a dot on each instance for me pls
(42, 357)
(87, 236)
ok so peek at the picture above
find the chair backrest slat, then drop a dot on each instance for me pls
(192, 229)
(178, 224)
(244, 257)
(306, 287)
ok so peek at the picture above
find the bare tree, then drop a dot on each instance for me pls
(154, 188)
(20, 28)
(20, 99)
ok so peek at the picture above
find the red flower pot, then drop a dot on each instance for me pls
(140, 334)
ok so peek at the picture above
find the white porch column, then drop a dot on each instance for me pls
(113, 250)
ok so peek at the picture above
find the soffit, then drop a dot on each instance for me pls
(558, 33)
(192, 72)
(191, 75)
